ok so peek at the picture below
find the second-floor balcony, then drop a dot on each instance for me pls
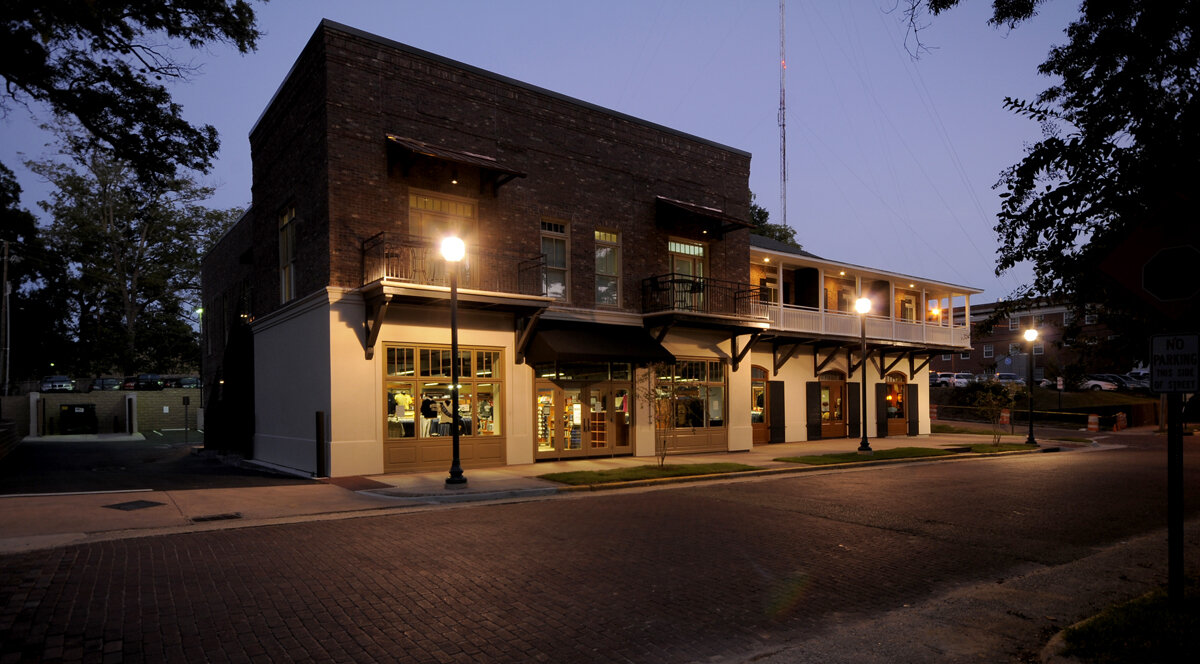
(685, 293)
(810, 320)
(414, 260)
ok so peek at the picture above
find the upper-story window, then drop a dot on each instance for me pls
(608, 269)
(287, 254)
(555, 274)
(1090, 319)
(437, 215)
(1039, 320)
(839, 293)
(906, 305)
(1014, 322)
(988, 351)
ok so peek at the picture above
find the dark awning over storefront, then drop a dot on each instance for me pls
(589, 342)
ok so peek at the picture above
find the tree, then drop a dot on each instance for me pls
(36, 301)
(763, 226)
(1120, 152)
(103, 63)
(132, 253)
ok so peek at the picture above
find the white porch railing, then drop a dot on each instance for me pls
(791, 318)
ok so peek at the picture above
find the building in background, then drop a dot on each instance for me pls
(1064, 346)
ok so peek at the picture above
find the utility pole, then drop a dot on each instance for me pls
(782, 119)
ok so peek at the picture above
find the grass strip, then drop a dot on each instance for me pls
(1141, 630)
(854, 457)
(950, 428)
(634, 473)
(985, 448)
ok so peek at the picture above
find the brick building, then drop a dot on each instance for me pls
(612, 300)
(1000, 346)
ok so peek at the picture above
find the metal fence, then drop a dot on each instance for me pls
(418, 260)
(684, 292)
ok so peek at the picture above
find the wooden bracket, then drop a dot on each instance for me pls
(376, 313)
(526, 335)
(819, 364)
(883, 371)
(737, 357)
(781, 360)
(913, 368)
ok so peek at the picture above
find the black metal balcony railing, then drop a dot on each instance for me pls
(418, 260)
(684, 292)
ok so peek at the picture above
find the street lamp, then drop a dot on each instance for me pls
(1031, 335)
(862, 306)
(453, 250)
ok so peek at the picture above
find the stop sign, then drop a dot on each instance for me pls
(1170, 274)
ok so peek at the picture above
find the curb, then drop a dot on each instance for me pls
(787, 470)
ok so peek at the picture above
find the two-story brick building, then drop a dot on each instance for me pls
(612, 300)
(1060, 348)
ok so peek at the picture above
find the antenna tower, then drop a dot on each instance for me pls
(782, 120)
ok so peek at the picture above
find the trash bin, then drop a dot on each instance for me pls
(77, 418)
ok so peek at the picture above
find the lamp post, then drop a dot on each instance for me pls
(862, 306)
(453, 250)
(1031, 335)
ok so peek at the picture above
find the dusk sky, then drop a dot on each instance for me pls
(891, 160)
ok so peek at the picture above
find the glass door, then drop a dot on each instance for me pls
(582, 420)
(545, 423)
(598, 420)
(760, 406)
(833, 409)
(574, 421)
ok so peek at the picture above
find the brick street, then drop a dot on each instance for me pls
(706, 572)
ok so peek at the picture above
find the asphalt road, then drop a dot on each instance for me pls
(722, 572)
(163, 462)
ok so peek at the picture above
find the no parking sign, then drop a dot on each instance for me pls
(1175, 363)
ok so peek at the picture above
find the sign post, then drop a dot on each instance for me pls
(1175, 370)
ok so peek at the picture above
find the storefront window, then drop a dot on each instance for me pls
(486, 414)
(423, 409)
(691, 395)
(400, 411)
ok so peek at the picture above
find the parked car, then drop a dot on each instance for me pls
(129, 383)
(1119, 381)
(1139, 374)
(1139, 381)
(148, 382)
(57, 384)
(189, 382)
(961, 379)
(1010, 379)
(1096, 383)
(105, 384)
(940, 378)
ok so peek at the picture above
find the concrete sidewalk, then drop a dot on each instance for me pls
(38, 521)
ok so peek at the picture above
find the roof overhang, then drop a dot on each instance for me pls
(411, 151)
(672, 211)
(558, 341)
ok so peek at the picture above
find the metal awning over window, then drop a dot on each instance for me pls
(495, 172)
(708, 218)
(593, 342)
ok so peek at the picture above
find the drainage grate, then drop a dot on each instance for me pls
(217, 517)
(134, 505)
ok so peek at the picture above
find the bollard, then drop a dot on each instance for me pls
(322, 464)
(933, 411)
(1093, 423)
(1005, 416)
